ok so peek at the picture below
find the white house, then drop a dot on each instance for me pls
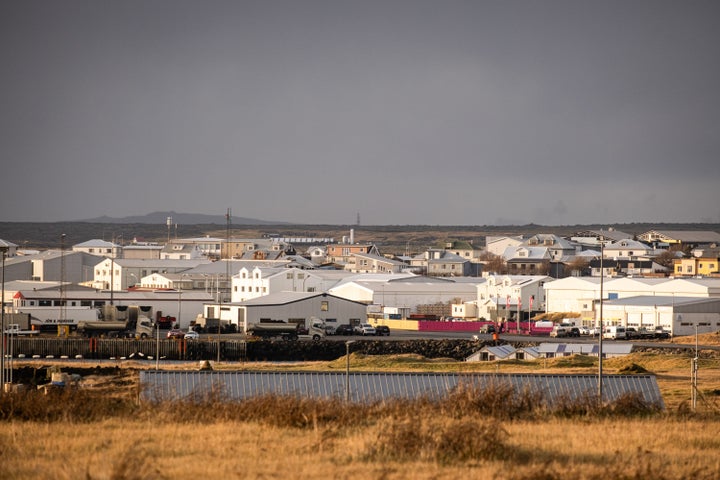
(256, 282)
(370, 263)
(118, 274)
(627, 249)
(501, 296)
(497, 245)
(99, 247)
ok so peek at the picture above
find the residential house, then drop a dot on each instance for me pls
(317, 254)
(503, 296)
(256, 282)
(442, 263)
(9, 248)
(343, 253)
(621, 267)
(181, 251)
(118, 274)
(628, 249)
(369, 263)
(497, 245)
(462, 249)
(526, 260)
(702, 262)
(684, 239)
(99, 247)
(207, 247)
(593, 238)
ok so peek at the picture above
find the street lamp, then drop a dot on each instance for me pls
(347, 369)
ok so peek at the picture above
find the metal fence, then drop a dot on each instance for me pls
(370, 386)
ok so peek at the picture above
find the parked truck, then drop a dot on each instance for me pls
(202, 324)
(288, 331)
(123, 322)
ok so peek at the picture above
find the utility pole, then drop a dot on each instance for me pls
(600, 336)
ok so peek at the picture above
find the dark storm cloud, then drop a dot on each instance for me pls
(405, 111)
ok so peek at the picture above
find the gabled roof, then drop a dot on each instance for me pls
(613, 235)
(378, 258)
(5, 243)
(96, 243)
(536, 253)
(684, 236)
(284, 298)
(549, 240)
(627, 243)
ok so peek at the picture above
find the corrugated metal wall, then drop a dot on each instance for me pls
(366, 387)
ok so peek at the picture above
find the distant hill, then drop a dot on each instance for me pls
(180, 219)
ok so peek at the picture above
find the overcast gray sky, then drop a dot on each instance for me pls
(406, 112)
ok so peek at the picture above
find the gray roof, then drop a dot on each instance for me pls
(283, 298)
(96, 243)
(659, 301)
(373, 386)
(689, 236)
(5, 243)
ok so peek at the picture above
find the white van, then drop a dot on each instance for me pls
(615, 332)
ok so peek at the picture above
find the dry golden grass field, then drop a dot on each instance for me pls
(101, 431)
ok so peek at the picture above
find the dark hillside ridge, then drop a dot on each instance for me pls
(178, 218)
(388, 238)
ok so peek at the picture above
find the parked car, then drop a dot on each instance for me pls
(365, 329)
(584, 330)
(573, 332)
(175, 333)
(487, 328)
(631, 333)
(192, 335)
(614, 332)
(558, 332)
(381, 330)
(344, 329)
(660, 333)
(644, 332)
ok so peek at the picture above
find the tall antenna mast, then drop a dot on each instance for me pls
(227, 274)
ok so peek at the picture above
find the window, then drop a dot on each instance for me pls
(324, 306)
(289, 276)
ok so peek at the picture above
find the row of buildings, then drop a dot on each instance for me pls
(242, 280)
